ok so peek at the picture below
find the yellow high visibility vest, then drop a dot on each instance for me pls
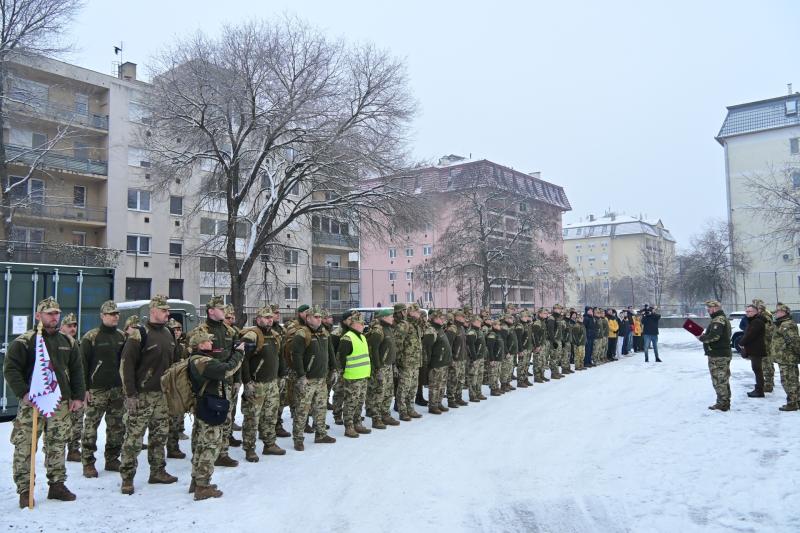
(357, 365)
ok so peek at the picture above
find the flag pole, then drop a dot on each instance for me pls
(34, 441)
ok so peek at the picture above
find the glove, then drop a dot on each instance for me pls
(300, 385)
(555, 344)
(249, 391)
(334, 377)
(131, 405)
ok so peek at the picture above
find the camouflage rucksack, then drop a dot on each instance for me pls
(177, 388)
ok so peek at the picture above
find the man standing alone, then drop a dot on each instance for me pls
(716, 341)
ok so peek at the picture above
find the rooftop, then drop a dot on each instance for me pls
(763, 115)
(615, 226)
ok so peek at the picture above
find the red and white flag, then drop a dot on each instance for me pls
(44, 393)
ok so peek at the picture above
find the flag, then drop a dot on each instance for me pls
(44, 393)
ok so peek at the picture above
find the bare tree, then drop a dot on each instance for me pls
(27, 27)
(274, 123)
(653, 274)
(780, 190)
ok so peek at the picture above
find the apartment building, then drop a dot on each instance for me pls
(334, 263)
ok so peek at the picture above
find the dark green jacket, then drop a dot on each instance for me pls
(64, 355)
(458, 341)
(717, 336)
(265, 364)
(315, 360)
(382, 349)
(437, 346)
(206, 368)
(578, 334)
(101, 349)
(141, 367)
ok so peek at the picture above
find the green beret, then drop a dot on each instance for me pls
(383, 313)
(303, 308)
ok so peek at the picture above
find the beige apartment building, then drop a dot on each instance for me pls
(610, 255)
(92, 189)
(761, 140)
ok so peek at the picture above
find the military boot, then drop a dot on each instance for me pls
(74, 455)
(414, 414)
(193, 486)
(405, 418)
(451, 404)
(112, 465)
(434, 410)
(251, 456)
(522, 385)
(59, 491)
(361, 430)
(308, 428)
(461, 402)
(495, 392)
(337, 419)
(226, 460)
(768, 387)
(789, 407)
(442, 408)
(326, 439)
(421, 401)
(555, 375)
(349, 431)
(719, 407)
(298, 446)
(204, 492)
(175, 453)
(235, 427)
(280, 432)
(482, 397)
(389, 421)
(161, 477)
(377, 423)
(537, 379)
(273, 450)
(127, 486)
(24, 496)
(89, 471)
(233, 442)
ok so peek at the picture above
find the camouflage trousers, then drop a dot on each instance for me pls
(475, 378)
(580, 354)
(151, 416)
(232, 392)
(206, 446)
(493, 376)
(106, 403)
(355, 393)
(507, 369)
(599, 352)
(77, 429)
(720, 369)
(57, 432)
(554, 358)
(338, 396)
(455, 380)
(379, 394)
(789, 382)
(287, 396)
(260, 414)
(523, 361)
(407, 390)
(311, 401)
(437, 378)
(176, 427)
(539, 362)
(486, 370)
(768, 368)
(566, 352)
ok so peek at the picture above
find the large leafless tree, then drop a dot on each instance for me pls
(779, 189)
(274, 122)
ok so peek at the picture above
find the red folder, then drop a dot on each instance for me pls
(693, 327)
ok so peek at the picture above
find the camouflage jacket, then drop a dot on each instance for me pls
(263, 363)
(311, 355)
(522, 332)
(476, 344)
(716, 338)
(408, 344)
(566, 325)
(786, 342)
(578, 334)
(224, 339)
(769, 330)
(495, 345)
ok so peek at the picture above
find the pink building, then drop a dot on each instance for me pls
(388, 270)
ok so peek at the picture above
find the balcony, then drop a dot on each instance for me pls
(321, 238)
(326, 273)
(93, 216)
(59, 113)
(20, 155)
(58, 253)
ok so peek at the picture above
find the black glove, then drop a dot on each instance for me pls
(555, 344)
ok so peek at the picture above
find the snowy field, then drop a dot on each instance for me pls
(623, 447)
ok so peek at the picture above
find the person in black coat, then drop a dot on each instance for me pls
(650, 330)
(625, 328)
(591, 331)
(753, 347)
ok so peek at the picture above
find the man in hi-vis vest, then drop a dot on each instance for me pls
(353, 354)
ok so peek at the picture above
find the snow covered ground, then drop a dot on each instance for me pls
(623, 447)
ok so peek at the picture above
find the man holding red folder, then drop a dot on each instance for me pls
(716, 341)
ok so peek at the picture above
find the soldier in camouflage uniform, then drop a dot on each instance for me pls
(601, 340)
(476, 351)
(554, 326)
(100, 349)
(495, 349)
(578, 337)
(141, 367)
(523, 332)
(69, 327)
(716, 341)
(176, 423)
(208, 374)
(455, 371)
(382, 353)
(786, 351)
(230, 321)
(353, 356)
(767, 362)
(338, 387)
(511, 349)
(438, 353)
(287, 384)
(260, 370)
(408, 343)
(540, 345)
(17, 369)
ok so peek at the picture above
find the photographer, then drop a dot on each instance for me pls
(650, 331)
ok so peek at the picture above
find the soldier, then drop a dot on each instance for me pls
(338, 387)
(476, 352)
(767, 362)
(287, 384)
(566, 342)
(146, 355)
(382, 353)
(578, 338)
(408, 342)
(539, 345)
(176, 423)
(18, 367)
(261, 368)
(100, 348)
(310, 360)
(225, 337)
(495, 349)
(716, 341)
(601, 339)
(437, 346)
(455, 372)
(130, 325)
(69, 327)
(209, 376)
(422, 325)
(554, 327)
(333, 375)
(523, 334)
(230, 321)
(507, 364)
(353, 355)
(786, 347)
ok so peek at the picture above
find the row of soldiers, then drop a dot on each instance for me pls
(117, 374)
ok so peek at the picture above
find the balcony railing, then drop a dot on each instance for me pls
(64, 212)
(61, 113)
(334, 273)
(58, 253)
(29, 156)
(334, 239)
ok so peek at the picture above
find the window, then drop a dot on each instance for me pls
(578, 258)
(523, 207)
(209, 226)
(335, 294)
(796, 180)
(137, 288)
(82, 104)
(791, 107)
(80, 151)
(176, 289)
(794, 146)
(176, 205)
(139, 244)
(427, 249)
(591, 258)
(213, 264)
(409, 252)
(392, 275)
(30, 92)
(409, 275)
(79, 238)
(392, 253)
(604, 243)
(138, 200)
(291, 257)
(392, 298)
(290, 292)
(139, 113)
(38, 140)
(176, 248)
(332, 260)
(605, 257)
(137, 157)
(409, 297)
(22, 234)
(207, 165)
(428, 296)
(79, 196)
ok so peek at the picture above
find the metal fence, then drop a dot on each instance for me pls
(28, 156)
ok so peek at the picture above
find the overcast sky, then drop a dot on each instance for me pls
(617, 101)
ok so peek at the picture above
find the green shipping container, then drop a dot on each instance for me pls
(79, 290)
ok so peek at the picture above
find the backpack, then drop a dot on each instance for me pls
(288, 337)
(177, 388)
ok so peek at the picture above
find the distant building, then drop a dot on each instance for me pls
(760, 139)
(606, 251)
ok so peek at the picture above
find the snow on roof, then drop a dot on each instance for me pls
(617, 226)
(758, 116)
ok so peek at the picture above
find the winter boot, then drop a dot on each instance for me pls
(24, 496)
(298, 446)
(482, 397)
(193, 486)
(389, 421)
(308, 428)
(204, 492)
(495, 392)
(251, 456)
(112, 465)
(377, 423)
(349, 431)
(755, 394)
(280, 432)
(419, 400)
(414, 414)
(658, 360)
(74, 456)
(235, 427)
(175, 454)
(327, 439)
(789, 407)
(127, 486)
(59, 491)
(452, 404)
(337, 419)
(226, 460)
(461, 402)
(361, 430)
(405, 418)
(273, 450)
(537, 379)
(442, 408)
(161, 477)
(233, 442)
(89, 471)
(434, 410)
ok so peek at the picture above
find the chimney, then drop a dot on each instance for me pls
(591, 218)
(127, 71)
(789, 85)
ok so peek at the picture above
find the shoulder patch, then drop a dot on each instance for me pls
(301, 332)
(135, 335)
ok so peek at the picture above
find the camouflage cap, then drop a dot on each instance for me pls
(459, 313)
(174, 324)
(449, 316)
(48, 305)
(413, 307)
(159, 301)
(783, 307)
(198, 337)
(357, 317)
(557, 306)
(759, 303)
(398, 307)
(525, 314)
(435, 313)
(109, 308)
(69, 318)
(579, 317)
(541, 310)
(315, 311)
(229, 310)
(132, 321)
(265, 312)
(275, 308)
(215, 302)
(713, 303)
(326, 314)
